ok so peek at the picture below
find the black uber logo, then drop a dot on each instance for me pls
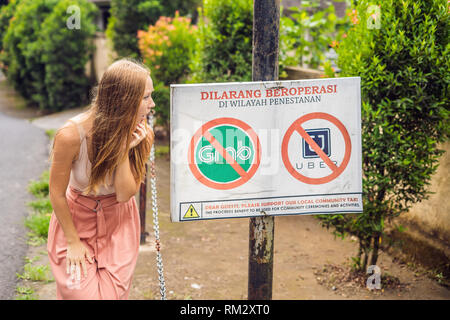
(322, 138)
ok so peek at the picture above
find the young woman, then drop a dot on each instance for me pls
(97, 165)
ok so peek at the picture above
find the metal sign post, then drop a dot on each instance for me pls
(266, 24)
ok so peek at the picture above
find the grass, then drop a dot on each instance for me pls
(42, 205)
(50, 133)
(25, 293)
(35, 240)
(32, 273)
(161, 151)
(40, 187)
(38, 224)
(35, 272)
(39, 220)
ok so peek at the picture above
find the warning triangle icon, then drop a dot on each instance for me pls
(191, 213)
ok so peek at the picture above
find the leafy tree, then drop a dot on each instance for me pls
(401, 52)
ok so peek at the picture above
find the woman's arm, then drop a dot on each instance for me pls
(65, 148)
(124, 183)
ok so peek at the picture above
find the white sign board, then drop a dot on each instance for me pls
(247, 149)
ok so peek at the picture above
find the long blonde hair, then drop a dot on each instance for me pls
(115, 110)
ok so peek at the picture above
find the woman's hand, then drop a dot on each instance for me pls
(142, 130)
(76, 257)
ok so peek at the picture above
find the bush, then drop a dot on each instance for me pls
(129, 16)
(167, 49)
(46, 60)
(224, 46)
(404, 68)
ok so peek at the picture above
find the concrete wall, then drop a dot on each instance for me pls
(433, 215)
(426, 239)
(103, 56)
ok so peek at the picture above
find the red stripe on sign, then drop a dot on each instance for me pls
(228, 158)
(316, 148)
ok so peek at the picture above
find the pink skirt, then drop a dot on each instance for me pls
(110, 230)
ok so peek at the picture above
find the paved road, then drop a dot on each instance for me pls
(23, 154)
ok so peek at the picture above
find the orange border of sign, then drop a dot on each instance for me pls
(201, 132)
(296, 126)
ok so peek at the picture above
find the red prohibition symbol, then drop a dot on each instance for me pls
(297, 126)
(203, 131)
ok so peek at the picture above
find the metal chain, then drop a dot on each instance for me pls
(159, 263)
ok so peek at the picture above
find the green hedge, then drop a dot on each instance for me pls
(6, 13)
(46, 60)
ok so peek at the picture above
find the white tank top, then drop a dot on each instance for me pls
(81, 168)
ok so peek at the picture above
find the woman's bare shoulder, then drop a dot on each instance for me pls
(67, 139)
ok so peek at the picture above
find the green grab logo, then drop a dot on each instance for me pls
(224, 153)
(235, 142)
